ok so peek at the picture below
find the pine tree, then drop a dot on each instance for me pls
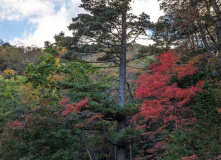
(111, 29)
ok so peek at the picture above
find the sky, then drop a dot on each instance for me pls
(31, 22)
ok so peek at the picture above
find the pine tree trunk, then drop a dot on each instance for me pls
(121, 148)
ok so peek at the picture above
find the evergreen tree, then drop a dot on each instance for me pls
(111, 29)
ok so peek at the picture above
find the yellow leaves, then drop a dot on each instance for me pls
(9, 72)
(57, 59)
(200, 58)
(217, 93)
(205, 59)
(57, 77)
(213, 61)
(61, 50)
(28, 94)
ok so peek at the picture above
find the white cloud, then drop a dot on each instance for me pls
(20, 9)
(47, 27)
(49, 20)
(150, 7)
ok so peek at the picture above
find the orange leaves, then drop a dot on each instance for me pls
(141, 127)
(96, 116)
(158, 145)
(190, 158)
(74, 107)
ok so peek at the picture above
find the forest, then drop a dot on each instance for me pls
(99, 95)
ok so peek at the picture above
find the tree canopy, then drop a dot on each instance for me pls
(97, 95)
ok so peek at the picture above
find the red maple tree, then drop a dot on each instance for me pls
(159, 97)
(162, 98)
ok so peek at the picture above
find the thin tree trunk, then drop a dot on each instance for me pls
(211, 36)
(89, 154)
(192, 42)
(197, 42)
(218, 12)
(202, 34)
(115, 152)
(208, 14)
(201, 29)
(131, 158)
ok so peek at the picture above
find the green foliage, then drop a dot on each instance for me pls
(128, 134)
(202, 138)
(184, 143)
(45, 136)
(17, 58)
(32, 125)
(149, 50)
(48, 135)
(99, 27)
(10, 104)
(55, 74)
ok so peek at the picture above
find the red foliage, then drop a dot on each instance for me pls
(160, 98)
(158, 145)
(63, 102)
(190, 158)
(96, 116)
(185, 71)
(217, 158)
(74, 107)
(16, 125)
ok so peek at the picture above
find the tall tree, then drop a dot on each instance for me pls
(165, 101)
(108, 28)
(196, 21)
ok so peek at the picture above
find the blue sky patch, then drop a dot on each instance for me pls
(12, 29)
